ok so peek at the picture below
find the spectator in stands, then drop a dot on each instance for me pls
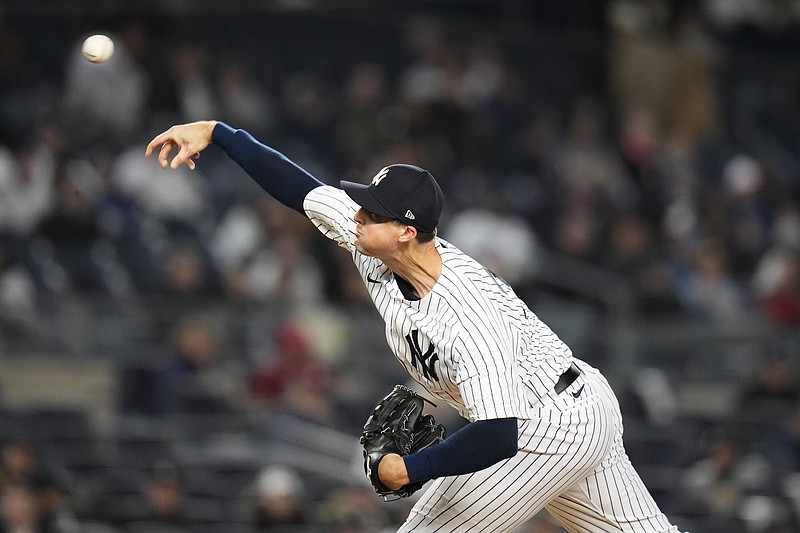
(194, 88)
(185, 373)
(188, 275)
(785, 231)
(72, 230)
(708, 289)
(264, 255)
(284, 270)
(431, 76)
(280, 499)
(20, 462)
(294, 379)
(773, 392)
(354, 509)
(364, 126)
(748, 213)
(165, 496)
(777, 286)
(192, 369)
(789, 451)
(18, 303)
(237, 236)
(717, 484)
(309, 104)
(242, 100)
(635, 252)
(594, 175)
(27, 181)
(53, 509)
(18, 510)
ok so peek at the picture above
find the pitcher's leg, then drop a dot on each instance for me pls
(565, 449)
(495, 499)
(612, 499)
(498, 499)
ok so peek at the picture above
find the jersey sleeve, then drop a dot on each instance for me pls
(331, 211)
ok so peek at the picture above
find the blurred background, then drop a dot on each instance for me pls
(178, 352)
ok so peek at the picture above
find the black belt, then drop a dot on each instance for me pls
(567, 378)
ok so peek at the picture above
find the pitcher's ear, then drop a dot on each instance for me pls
(409, 233)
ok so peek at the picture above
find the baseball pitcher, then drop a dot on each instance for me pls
(544, 430)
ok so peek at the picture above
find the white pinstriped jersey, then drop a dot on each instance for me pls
(471, 341)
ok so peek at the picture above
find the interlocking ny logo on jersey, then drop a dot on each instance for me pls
(426, 360)
(379, 176)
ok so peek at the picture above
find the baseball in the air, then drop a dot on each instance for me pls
(98, 48)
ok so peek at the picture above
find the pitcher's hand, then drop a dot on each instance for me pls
(191, 139)
(392, 471)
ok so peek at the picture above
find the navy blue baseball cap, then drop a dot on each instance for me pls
(406, 193)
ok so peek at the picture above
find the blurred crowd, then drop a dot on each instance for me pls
(666, 154)
(654, 140)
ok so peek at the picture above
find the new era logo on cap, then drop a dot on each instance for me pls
(406, 193)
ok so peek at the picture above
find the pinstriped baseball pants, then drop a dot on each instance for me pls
(571, 462)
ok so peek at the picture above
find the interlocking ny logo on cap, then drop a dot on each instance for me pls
(398, 189)
(379, 176)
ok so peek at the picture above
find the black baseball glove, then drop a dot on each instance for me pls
(397, 425)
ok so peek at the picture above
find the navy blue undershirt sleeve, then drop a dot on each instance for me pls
(476, 446)
(281, 177)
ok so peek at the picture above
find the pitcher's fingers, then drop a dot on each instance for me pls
(149, 149)
(166, 148)
(176, 162)
(190, 162)
(181, 158)
(157, 140)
